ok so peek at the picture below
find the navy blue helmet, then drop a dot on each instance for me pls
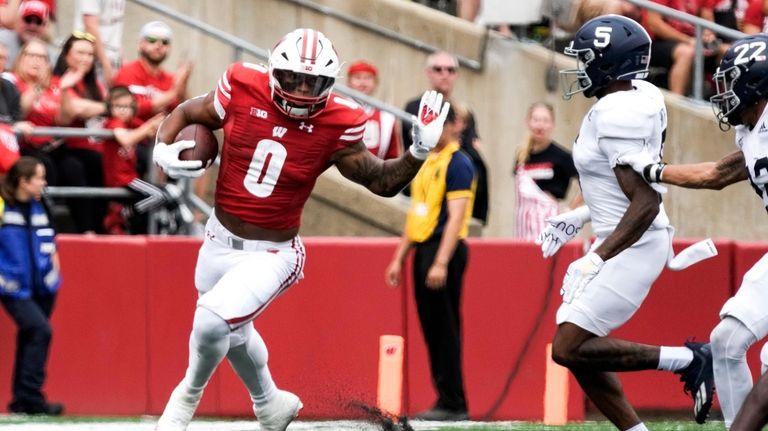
(607, 48)
(741, 80)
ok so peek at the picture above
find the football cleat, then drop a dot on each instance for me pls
(179, 410)
(280, 411)
(699, 380)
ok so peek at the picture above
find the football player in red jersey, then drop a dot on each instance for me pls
(282, 128)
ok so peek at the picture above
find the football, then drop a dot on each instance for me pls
(206, 145)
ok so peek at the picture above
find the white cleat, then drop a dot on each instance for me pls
(280, 411)
(179, 410)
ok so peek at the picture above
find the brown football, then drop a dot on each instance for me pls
(206, 145)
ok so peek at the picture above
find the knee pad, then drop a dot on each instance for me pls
(208, 327)
(731, 339)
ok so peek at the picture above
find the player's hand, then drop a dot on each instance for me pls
(428, 126)
(167, 157)
(561, 229)
(580, 272)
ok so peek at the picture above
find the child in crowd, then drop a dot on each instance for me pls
(120, 165)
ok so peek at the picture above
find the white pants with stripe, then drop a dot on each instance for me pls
(237, 279)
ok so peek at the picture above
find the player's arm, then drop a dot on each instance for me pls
(643, 208)
(706, 175)
(383, 177)
(200, 110)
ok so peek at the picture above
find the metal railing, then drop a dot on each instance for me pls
(188, 198)
(241, 46)
(699, 24)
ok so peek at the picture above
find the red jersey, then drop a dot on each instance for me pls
(85, 143)
(692, 7)
(269, 161)
(144, 85)
(382, 135)
(119, 163)
(43, 112)
(754, 15)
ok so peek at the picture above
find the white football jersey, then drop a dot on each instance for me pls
(619, 124)
(754, 144)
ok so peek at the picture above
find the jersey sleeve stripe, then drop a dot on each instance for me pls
(351, 137)
(219, 107)
(225, 81)
(355, 129)
(223, 91)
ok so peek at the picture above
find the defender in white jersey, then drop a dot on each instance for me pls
(742, 95)
(602, 290)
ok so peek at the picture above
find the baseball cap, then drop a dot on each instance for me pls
(156, 29)
(362, 67)
(34, 8)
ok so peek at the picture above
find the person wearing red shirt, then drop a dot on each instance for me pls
(382, 134)
(755, 18)
(283, 127)
(674, 41)
(120, 164)
(156, 89)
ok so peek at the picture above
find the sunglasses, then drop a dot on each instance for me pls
(153, 39)
(31, 19)
(81, 35)
(440, 69)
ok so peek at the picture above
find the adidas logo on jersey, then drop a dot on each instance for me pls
(763, 129)
(279, 132)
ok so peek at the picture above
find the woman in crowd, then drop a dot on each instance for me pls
(82, 105)
(543, 170)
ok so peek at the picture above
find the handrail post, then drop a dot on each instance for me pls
(238, 54)
(698, 66)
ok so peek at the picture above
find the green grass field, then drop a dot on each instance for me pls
(26, 423)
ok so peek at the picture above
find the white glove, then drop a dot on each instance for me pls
(167, 157)
(580, 272)
(561, 229)
(428, 127)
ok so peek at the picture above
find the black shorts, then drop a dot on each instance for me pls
(661, 52)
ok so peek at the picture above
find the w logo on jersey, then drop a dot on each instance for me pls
(279, 132)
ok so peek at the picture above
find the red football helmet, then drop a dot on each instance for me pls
(302, 70)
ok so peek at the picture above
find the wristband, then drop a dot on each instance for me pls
(652, 173)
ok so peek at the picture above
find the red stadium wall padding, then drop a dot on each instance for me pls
(124, 315)
(99, 354)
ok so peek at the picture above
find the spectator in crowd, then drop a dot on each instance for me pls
(755, 21)
(29, 270)
(103, 19)
(9, 13)
(32, 23)
(382, 136)
(156, 89)
(570, 15)
(442, 70)
(120, 165)
(10, 117)
(39, 102)
(543, 172)
(82, 105)
(674, 41)
(437, 223)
